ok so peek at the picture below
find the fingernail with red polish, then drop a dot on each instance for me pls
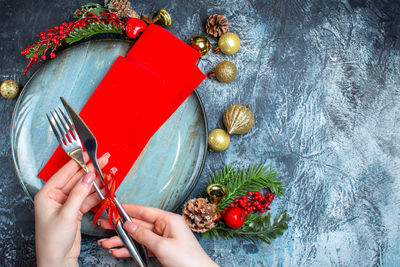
(130, 227)
(89, 178)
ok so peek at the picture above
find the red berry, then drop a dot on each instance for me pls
(262, 211)
(226, 208)
(44, 57)
(248, 204)
(271, 197)
(232, 205)
(243, 197)
(255, 203)
(246, 212)
(257, 193)
(259, 206)
(253, 208)
(249, 193)
(234, 217)
(236, 200)
(244, 200)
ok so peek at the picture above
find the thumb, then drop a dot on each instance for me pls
(78, 194)
(142, 235)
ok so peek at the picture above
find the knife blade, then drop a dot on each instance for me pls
(89, 142)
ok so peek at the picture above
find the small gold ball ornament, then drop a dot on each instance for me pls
(9, 89)
(215, 193)
(200, 43)
(228, 43)
(238, 119)
(218, 140)
(225, 72)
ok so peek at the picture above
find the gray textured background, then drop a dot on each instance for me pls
(322, 78)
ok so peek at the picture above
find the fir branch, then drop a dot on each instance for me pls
(91, 7)
(40, 48)
(237, 182)
(92, 29)
(258, 226)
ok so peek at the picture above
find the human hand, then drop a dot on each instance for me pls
(59, 207)
(165, 235)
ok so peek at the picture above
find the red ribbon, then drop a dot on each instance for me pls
(108, 201)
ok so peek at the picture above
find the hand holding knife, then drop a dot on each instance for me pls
(89, 142)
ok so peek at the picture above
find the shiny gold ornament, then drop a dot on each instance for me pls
(225, 72)
(162, 18)
(215, 193)
(9, 89)
(238, 119)
(228, 43)
(218, 140)
(200, 43)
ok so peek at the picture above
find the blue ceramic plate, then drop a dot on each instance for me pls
(168, 167)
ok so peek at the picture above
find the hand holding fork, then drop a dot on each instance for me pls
(70, 142)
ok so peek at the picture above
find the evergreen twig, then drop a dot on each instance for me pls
(237, 182)
(92, 29)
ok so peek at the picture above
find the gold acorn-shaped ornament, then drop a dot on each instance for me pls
(238, 119)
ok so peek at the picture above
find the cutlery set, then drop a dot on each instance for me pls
(71, 133)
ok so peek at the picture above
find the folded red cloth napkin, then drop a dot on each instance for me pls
(158, 74)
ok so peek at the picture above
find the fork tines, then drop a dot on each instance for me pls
(62, 126)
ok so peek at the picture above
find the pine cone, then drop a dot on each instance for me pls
(216, 25)
(122, 8)
(200, 215)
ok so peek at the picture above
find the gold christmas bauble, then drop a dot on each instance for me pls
(228, 43)
(9, 89)
(218, 140)
(215, 193)
(200, 43)
(238, 119)
(225, 72)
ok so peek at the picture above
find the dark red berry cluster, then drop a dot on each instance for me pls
(52, 38)
(252, 202)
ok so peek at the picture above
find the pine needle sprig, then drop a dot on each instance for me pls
(258, 226)
(238, 181)
(92, 29)
(94, 8)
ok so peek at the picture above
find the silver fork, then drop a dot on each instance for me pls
(71, 144)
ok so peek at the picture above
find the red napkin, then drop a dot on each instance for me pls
(158, 74)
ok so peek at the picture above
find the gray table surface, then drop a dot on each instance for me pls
(322, 78)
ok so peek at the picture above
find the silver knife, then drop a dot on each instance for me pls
(89, 142)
